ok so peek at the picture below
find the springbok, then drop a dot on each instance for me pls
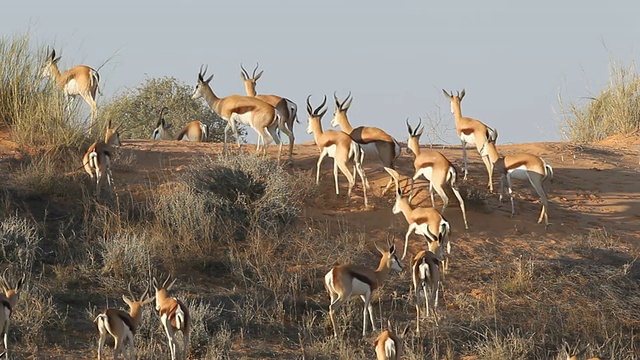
(345, 281)
(195, 131)
(337, 145)
(523, 166)
(97, 158)
(374, 141)
(79, 80)
(388, 345)
(8, 299)
(174, 317)
(437, 169)
(120, 325)
(246, 110)
(427, 222)
(287, 109)
(471, 132)
(425, 274)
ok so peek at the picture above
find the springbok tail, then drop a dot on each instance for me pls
(492, 135)
(549, 171)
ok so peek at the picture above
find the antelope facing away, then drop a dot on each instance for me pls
(337, 145)
(194, 131)
(9, 300)
(427, 222)
(246, 110)
(174, 317)
(472, 132)
(346, 281)
(437, 169)
(388, 345)
(120, 325)
(425, 274)
(79, 80)
(97, 158)
(287, 109)
(523, 166)
(375, 142)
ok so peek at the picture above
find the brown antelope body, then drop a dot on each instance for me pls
(375, 142)
(174, 317)
(287, 109)
(346, 281)
(120, 325)
(78, 80)
(8, 301)
(471, 132)
(97, 158)
(437, 169)
(235, 109)
(337, 145)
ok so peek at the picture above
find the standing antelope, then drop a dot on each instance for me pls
(243, 109)
(345, 281)
(8, 300)
(79, 80)
(388, 345)
(339, 146)
(374, 141)
(120, 325)
(287, 109)
(174, 316)
(472, 132)
(97, 158)
(425, 274)
(428, 222)
(437, 169)
(523, 166)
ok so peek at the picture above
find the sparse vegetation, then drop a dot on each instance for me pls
(615, 110)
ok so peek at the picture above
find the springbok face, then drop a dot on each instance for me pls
(455, 99)
(340, 109)
(51, 62)
(391, 258)
(197, 91)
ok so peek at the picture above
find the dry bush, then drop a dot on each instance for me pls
(615, 110)
(19, 242)
(125, 255)
(36, 315)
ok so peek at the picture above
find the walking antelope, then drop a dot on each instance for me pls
(120, 325)
(427, 222)
(97, 158)
(437, 169)
(243, 109)
(79, 80)
(374, 141)
(337, 145)
(388, 345)
(425, 274)
(174, 317)
(287, 109)
(472, 132)
(523, 166)
(345, 281)
(8, 299)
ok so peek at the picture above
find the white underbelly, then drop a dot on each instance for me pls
(422, 229)
(359, 288)
(244, 119)
(469, 139)
(71, 88)
(331, 151)
(427, 172)
(519, 173)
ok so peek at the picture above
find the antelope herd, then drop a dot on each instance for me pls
(270, 115)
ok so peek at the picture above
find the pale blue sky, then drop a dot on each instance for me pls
(395, 56)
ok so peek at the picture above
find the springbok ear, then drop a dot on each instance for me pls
(258, 76)
(419, 133)
(20, 282)
(171, 284)
(378, 248)
(127, 300)
(244, 78)
(209, 79)
(392, 249)
(149, 300)
(462, 94)
(446, 94)
(154, 282)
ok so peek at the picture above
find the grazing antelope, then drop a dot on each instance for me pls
(174, 316)
(345, 281)
(427, 222)
(425, 274)
(287, 109)
(337, 145)
(374, 141)
(8, 300)
(246, 110)
(472, 132)
(120, 325)
(437, 169)
(388, 345)
(523, 166)
(79, 80)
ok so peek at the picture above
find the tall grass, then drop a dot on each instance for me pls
(615, 110)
